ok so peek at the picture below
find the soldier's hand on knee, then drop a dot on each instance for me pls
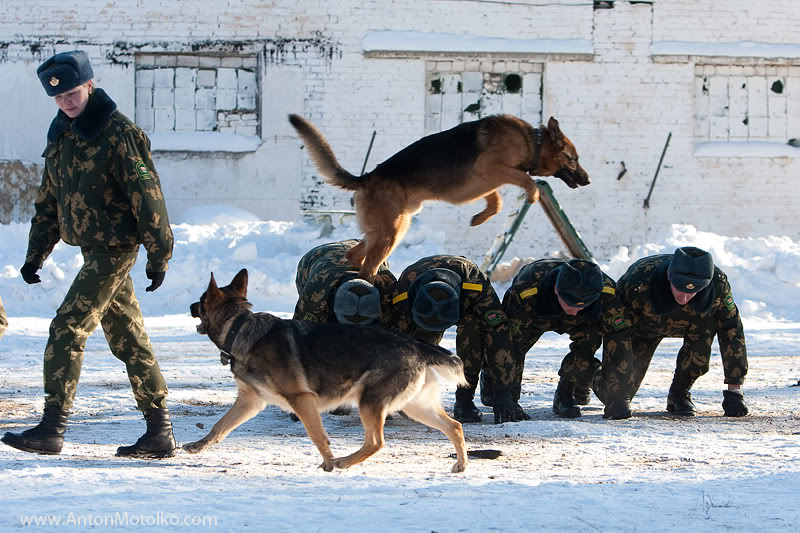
(29, 274)
(157, 279)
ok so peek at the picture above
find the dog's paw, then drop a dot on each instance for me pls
(478, 219)
(533, 195)
(327, 466)
(195, 447)
(459, 467)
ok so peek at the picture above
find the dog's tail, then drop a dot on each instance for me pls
(322, 155)
(447, 365)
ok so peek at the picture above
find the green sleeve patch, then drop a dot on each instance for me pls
(729, 301)
(310, 318)
(619, 322)
(141, 170)
(493, 318)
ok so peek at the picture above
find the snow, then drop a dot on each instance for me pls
(417, 41)
(652, 473)
(200, 141)
(726, 49)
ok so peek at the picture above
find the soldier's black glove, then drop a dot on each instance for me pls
(733, 403)
(29, 274)
(503, 406)
(157, 279)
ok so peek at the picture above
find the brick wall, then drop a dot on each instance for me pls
(617, 104)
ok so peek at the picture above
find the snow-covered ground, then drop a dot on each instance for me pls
(652, 472)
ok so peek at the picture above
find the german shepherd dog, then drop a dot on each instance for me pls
(459, 165)
(310, 367)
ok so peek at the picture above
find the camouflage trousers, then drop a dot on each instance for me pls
(578, 366)
(102, 293)
(694, 359)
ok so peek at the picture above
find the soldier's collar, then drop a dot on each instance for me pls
(88, 124)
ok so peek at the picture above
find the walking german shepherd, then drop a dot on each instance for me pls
(459, 165)
(311, 367)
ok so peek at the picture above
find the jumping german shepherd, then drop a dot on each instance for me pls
(459, 165)
(311, 367)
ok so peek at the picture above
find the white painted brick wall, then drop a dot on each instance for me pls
(618, 106)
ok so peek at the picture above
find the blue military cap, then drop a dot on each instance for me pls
(436, 302)
(579, 282)
(65, 71)
(690, 269)
(357, 302)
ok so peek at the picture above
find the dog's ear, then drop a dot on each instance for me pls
(554, 132)
(213, 291)
(239, 283)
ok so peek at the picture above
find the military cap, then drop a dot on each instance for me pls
(435, 296)
(356, 302)
(65, 71)
(579, 282)
(690, 269)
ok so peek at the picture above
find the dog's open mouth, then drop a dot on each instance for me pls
(573, 180)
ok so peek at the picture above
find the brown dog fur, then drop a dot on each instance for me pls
(459, 165)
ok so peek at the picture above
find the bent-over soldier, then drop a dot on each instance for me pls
(99, 191)
(575, 298)
(444, 290)
(683, 295)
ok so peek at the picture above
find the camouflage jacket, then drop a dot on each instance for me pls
(653, 312)
(320, 272)
(533, 309)
(99, 187)
(482, 330)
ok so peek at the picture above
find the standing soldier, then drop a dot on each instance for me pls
(101, 192)
(682, 295)
(576, 298)
(443, 290)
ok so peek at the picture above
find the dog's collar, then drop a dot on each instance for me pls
(227, 346)
(537, 151)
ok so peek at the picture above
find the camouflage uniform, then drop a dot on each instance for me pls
(533, 309)
(100, 191)
(321, 271)
(482, 331)
(652, 311)
(3, 319)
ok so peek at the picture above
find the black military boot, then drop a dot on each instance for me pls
(679, 399)
(487, 392)
(46, 438)
(679, 402)
(464, 409)
(564, 402)
(157, 442)
(582, 394)
(618, 409)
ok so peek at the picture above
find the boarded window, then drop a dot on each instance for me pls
(735, 104)
(456, 94)
(197, 93)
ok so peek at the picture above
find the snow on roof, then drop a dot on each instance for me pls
(203, 141)
(416, 41)
(726, 49)
(746, 149)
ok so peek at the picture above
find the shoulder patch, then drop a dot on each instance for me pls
(610, 290)
(493, 318)
(729, 301)
(527, 293)
(619, 322)
(141, 170)
(472, 286)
